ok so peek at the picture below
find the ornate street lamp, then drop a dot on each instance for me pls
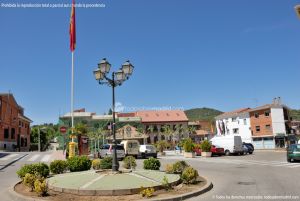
(117, 78)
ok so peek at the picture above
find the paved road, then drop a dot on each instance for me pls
(264, 173)
(11, 162)
(236, 177)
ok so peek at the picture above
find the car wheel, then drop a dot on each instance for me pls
(227, 153)
(251, 152)
(143, 155)
(289, 160)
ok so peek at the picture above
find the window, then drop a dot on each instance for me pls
(233, 119)
(256, 115)
(257, 128)
(267, 113)
(6, 133)
(245, 121)
(235, 131)
(13, 132)
(268, 127)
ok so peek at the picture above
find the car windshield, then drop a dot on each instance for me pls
(295, 147)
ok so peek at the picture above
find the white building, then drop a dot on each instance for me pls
(235, 123)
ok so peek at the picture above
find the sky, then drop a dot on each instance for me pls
(187, 54)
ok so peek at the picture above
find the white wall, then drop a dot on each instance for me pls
(278, 124)
(244, 129)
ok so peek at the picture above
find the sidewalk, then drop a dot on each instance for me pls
(58, 155)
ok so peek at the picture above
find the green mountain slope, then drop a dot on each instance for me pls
(202, 114)
(295, 114)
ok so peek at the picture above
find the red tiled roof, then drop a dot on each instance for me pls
(131, 114)
(162, 116)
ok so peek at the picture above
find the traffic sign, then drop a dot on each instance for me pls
(63, 129)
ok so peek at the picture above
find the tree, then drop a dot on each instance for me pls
(167, 131)
(191, 130)
(150, 129)
(179, 130)
(109, 111)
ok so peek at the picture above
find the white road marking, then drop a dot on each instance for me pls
(8, 157)
(34, 157)
(46, 158)
(91, 182)
(294, 165)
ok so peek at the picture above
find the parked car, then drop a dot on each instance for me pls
(232, 144)
(245, 149)
(293, 152)
(215, 151)
(249, 146)
(107, 150)
(148, 150)
(131, 147)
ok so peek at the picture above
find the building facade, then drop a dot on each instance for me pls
(203, 130)
(271, 126)
(14, 125)
(235, 123)
(151, 123)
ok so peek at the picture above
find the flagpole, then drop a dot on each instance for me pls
(72, 95)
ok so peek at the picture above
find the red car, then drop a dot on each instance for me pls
(215, 150)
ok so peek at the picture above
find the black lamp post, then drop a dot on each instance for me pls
(116, 79)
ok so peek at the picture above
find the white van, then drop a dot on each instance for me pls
(131, 147)
(232, 144)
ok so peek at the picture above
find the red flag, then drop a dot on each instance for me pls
(72, 30)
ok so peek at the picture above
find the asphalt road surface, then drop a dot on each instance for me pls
(265, 175)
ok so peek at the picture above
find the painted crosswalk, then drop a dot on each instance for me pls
(28, 157)
(228, 160)
(8, 157)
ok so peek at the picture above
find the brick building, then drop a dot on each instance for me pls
(14, 125)
(271, 126)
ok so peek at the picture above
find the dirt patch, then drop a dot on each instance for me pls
(56, 196)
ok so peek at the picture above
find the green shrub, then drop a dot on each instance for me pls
(106, 163)
(147, 192)
(189, 175)
(151, 164)
(179, 166)
(41, 187)
(79, 163)
(96, 164)
(29, 180)
(205, 146)
(58, 166)
(129, 162)
(161, 145)
(169, 168)
(165, 183)
(188, 145)
(39, 169)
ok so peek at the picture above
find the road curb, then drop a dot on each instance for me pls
(18, 197)
(208, 186)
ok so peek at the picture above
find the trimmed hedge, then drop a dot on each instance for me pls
(106, 163)
(151, 164)
(96, 164)
(58, 166)
(189, 175)
(38, 169)
(79, 163)
(129, 162)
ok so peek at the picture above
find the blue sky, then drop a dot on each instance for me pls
(219, 54)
